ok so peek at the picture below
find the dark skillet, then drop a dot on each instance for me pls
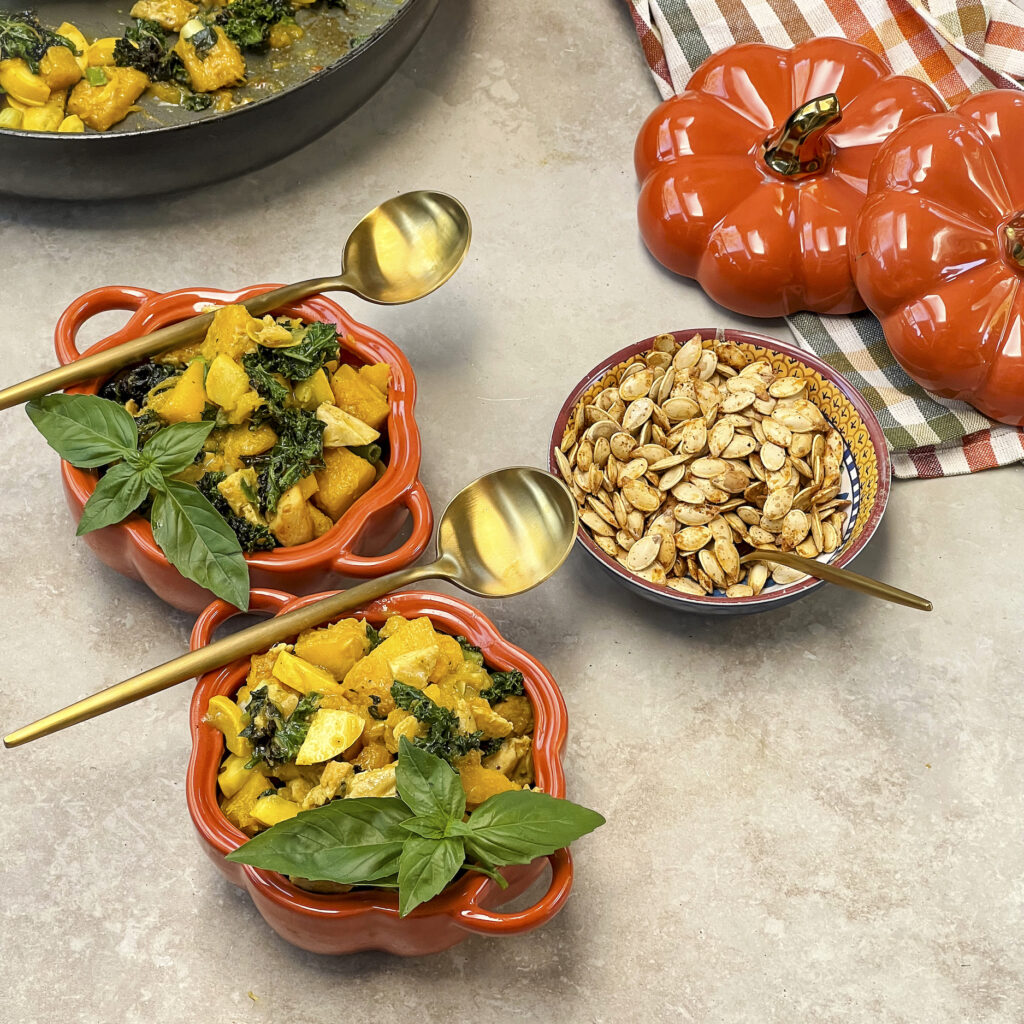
(164, 148)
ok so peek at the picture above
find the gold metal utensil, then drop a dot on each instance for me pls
(404, 249)
(502, 535)
(841, 577)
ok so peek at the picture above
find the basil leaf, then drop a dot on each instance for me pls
(85, 430)
(425, 868)
(175, 447)
(429, 826)
(427, 784)
(119, 493)
(352, 842)
(199, 543)
(516, 827)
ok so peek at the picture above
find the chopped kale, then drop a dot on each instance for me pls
(251, 536)
(144, 47)
(148, 423)
(22, 36)
(374, 637)
(268, 387)
(504, 685)
(298, 452)
(375, 713)
(274, 738)
(315, 343)
(443, 739)
(202, 41)
(133, 385)
(470, 651)
(248, 22)
(197, 101)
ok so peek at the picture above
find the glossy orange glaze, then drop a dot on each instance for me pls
(932, 258)
(710, 208)
(369, 919)
(369, 525)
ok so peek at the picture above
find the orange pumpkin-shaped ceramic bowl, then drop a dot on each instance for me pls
(368, 526)
(368, 918)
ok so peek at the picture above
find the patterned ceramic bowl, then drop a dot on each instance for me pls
(368, 918)
(357, 544)
(864, 473)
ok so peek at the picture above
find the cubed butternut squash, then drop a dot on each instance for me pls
(291, 522)
(344, 478)
(356, 395)
(59, 69)
(377, 374)
(184, 400)
(336, 647)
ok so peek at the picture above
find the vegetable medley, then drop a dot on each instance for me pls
(182, 52)
(322, 719)
(296, 434)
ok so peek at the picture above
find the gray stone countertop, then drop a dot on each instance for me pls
(813, 814)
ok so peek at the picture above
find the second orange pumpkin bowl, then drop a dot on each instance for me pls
(356, 544)
(368, 918)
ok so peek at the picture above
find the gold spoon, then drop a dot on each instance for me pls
(401, 251)
(841, 577)
(502, 535)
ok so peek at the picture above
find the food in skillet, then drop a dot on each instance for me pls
(192, 54)
(256, 437)
(354, 756)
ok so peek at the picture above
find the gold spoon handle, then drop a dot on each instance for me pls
(238, 645)
(841, 577)
(102, 364)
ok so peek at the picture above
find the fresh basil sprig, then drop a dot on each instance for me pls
(418, 839)
(89, 432)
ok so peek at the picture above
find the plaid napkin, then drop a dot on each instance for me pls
(959, 47)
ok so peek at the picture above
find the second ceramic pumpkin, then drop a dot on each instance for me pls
(753, 178)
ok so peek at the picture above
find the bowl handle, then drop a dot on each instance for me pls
(99, 300)
(416, 501)
(475, 918)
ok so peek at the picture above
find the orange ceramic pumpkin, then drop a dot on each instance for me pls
(939, 252)
(752, 179)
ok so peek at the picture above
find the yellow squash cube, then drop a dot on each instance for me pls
(226, 382)
(234, 775)
(313, 391)
(291, 522)
(304, 677)
(482, 783)
(330, 734)
(224, 714)
(238, 808)
(270, 809)
(17, 80)
(100, 53)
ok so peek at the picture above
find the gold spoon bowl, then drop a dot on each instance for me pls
(399, 252)
(502, 535)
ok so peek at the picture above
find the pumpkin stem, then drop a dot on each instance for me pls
(797, 148)
(1013, 239)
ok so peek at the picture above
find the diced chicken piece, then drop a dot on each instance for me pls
(379, 782)
(336, 773)
(507, 757)
(168, 14)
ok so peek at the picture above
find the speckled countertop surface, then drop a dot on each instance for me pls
(814, 814)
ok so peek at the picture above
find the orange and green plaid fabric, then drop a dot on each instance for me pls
(959, 48)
